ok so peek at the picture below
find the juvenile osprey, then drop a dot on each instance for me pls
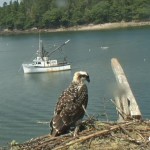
(70, 106)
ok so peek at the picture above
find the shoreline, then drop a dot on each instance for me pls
(105, 26)
(90, 27)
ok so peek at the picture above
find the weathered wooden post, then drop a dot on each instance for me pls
(125, 101)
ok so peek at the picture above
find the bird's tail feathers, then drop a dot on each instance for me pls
(57, 126)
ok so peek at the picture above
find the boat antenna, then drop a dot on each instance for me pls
(58, 47)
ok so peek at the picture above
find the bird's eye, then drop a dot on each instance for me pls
(82, 76)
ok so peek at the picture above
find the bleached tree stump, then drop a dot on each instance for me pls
(126, 103)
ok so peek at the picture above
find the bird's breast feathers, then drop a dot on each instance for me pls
(72, 98)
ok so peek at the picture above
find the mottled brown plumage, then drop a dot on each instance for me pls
(69, 109)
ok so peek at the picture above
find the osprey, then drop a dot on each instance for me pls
(71, 105)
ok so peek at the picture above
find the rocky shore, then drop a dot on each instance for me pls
(89, 27)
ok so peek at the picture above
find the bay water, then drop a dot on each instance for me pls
(26, 100)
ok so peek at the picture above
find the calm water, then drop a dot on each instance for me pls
(26, 99)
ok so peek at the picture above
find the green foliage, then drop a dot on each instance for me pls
(51, 18)
(100, 12)
(58, 13)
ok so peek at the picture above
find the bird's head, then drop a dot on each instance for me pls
(80, 77)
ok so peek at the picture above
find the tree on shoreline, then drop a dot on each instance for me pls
(57, 13)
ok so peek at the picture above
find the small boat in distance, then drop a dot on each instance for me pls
(42, 63)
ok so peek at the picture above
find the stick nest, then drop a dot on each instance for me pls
(96, 135)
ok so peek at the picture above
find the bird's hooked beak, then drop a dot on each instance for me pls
(88, 78)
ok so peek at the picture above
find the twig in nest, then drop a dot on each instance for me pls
(132, 139)
(120, 111)
(141, 136)
(85, 111)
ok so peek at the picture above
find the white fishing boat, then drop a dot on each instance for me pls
(43, 63)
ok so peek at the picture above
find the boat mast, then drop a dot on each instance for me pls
(39, 41)
(40, 51)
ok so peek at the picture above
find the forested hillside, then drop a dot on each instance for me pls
(67, 13)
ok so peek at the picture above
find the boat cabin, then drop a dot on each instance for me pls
(45, 62)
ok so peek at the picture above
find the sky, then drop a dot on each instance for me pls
(2, 1)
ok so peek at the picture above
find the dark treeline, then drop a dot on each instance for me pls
(66, 13)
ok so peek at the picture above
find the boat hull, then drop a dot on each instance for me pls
(29, 68)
